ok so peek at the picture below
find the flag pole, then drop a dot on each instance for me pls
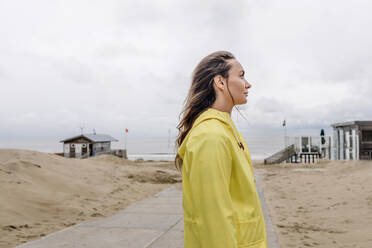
(125, 138)
(285, 133)
(285, 136)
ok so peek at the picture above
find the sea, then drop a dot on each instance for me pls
(158, 148)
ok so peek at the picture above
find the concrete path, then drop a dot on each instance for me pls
(272, 238)
(156, 222)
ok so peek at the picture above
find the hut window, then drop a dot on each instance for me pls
(367, 136)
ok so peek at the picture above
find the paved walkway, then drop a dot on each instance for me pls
(156, 222)
(272, 238)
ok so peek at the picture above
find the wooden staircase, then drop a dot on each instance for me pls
(282, 155)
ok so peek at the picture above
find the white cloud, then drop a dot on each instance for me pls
(115, 64)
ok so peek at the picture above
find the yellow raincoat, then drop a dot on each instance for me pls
(220, 201)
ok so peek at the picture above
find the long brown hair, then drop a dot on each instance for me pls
(201, 94)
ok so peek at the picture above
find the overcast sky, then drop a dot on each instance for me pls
(112, 65)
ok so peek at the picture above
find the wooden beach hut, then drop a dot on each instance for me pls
(352, 140)
(86, 145)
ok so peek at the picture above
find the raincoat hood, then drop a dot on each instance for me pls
(208, 114)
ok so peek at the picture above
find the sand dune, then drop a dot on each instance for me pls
(328, 204)
(42, 193)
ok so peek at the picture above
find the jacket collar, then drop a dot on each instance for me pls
(208, 114)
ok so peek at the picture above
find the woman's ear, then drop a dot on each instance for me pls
(219, 82)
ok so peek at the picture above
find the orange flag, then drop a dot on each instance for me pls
(126, 130)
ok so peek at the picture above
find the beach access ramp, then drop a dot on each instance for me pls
(282, 155)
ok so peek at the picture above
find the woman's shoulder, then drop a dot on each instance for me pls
(209, 137)
(211, 129)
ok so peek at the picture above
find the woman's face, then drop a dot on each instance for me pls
(237, 84)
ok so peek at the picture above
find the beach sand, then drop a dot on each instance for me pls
(328, 204)
(42, 193)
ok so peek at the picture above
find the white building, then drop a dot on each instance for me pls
(352, 140)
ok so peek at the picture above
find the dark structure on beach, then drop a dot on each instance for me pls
(86, 145)
(352, 140)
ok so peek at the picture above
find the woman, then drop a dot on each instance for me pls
(220, 202)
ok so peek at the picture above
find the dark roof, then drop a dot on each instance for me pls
(93, 137)
(352, 123)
